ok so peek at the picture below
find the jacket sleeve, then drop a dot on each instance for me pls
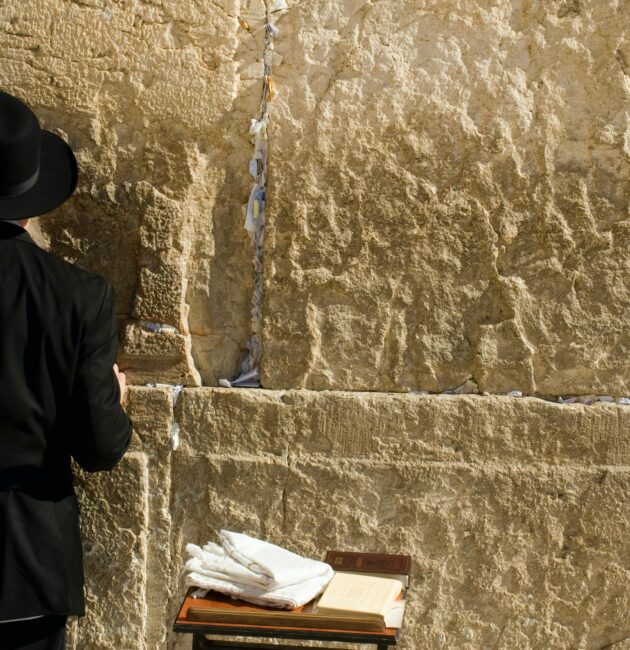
(100, 431)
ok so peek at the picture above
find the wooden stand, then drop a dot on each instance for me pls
(201, 630)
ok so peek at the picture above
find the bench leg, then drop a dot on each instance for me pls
(198, 641)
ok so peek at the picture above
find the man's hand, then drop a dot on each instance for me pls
(122, 380)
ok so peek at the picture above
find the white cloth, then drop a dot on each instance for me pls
(274, 566)
(288, 597)
(212, 561)
(256, 571)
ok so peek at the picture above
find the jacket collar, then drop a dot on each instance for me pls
(13, 231)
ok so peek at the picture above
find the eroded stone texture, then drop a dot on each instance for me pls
(155, 99)
(449, 184)
(152, 415)
(515, 510)
(449, 197)
(126, 527)
(505, 556)
(114, 510)
(380, 427)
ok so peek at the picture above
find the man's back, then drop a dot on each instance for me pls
(59, 397)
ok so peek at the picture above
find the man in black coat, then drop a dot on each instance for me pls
(60, 390)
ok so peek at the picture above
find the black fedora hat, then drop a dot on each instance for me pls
(38, 170)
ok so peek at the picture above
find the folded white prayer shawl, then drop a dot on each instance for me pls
(256, 571)
(275, 566)
(209, 562)
(288, 597)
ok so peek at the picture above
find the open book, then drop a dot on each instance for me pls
(360, 596)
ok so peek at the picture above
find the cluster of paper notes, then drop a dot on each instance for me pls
(469, 387)
(255, 208)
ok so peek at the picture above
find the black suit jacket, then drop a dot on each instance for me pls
(59, 398)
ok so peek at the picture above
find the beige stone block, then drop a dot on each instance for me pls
(126, 524)
(114, 525)
(514, 510)
(449, 198)
(151, 411)
(237, 492)
(222, 491)
(390, 427)
(156, 356)
(232, 421)
(160, 296)
(504, 556)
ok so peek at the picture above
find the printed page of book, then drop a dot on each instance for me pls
(353, 592)
(404, 580)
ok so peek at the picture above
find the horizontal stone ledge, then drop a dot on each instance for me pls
(294, 461)
(393, 427)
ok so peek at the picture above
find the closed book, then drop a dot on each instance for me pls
(361, 596)
(384, 565)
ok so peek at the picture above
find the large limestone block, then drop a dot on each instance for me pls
(126, 523)
(224, 421)
(213, 492)
(515, 510)
(449, 197)
(114, 525)
(152, 415)
(504, 556)
(151, 99)
(388, 427)
(157, 356)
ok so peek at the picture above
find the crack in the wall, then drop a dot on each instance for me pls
(249, 376)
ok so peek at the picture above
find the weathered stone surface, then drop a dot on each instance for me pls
(126, 524)
(449, 197)
(380, 427)
(157, 356)
(515, 510)
(150, 97)
(114, 522)
(448, 194)
(505, 556)
(223, 421)
(152, 414)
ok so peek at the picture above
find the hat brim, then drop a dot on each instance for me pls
(57, 181)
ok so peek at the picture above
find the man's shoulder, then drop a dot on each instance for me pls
(72, 277)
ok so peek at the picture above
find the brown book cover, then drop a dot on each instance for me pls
(217, 608)
(383, 563)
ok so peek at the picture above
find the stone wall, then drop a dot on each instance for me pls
(448, 200)
(515, 510)
(450, 197)
(153, 98)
